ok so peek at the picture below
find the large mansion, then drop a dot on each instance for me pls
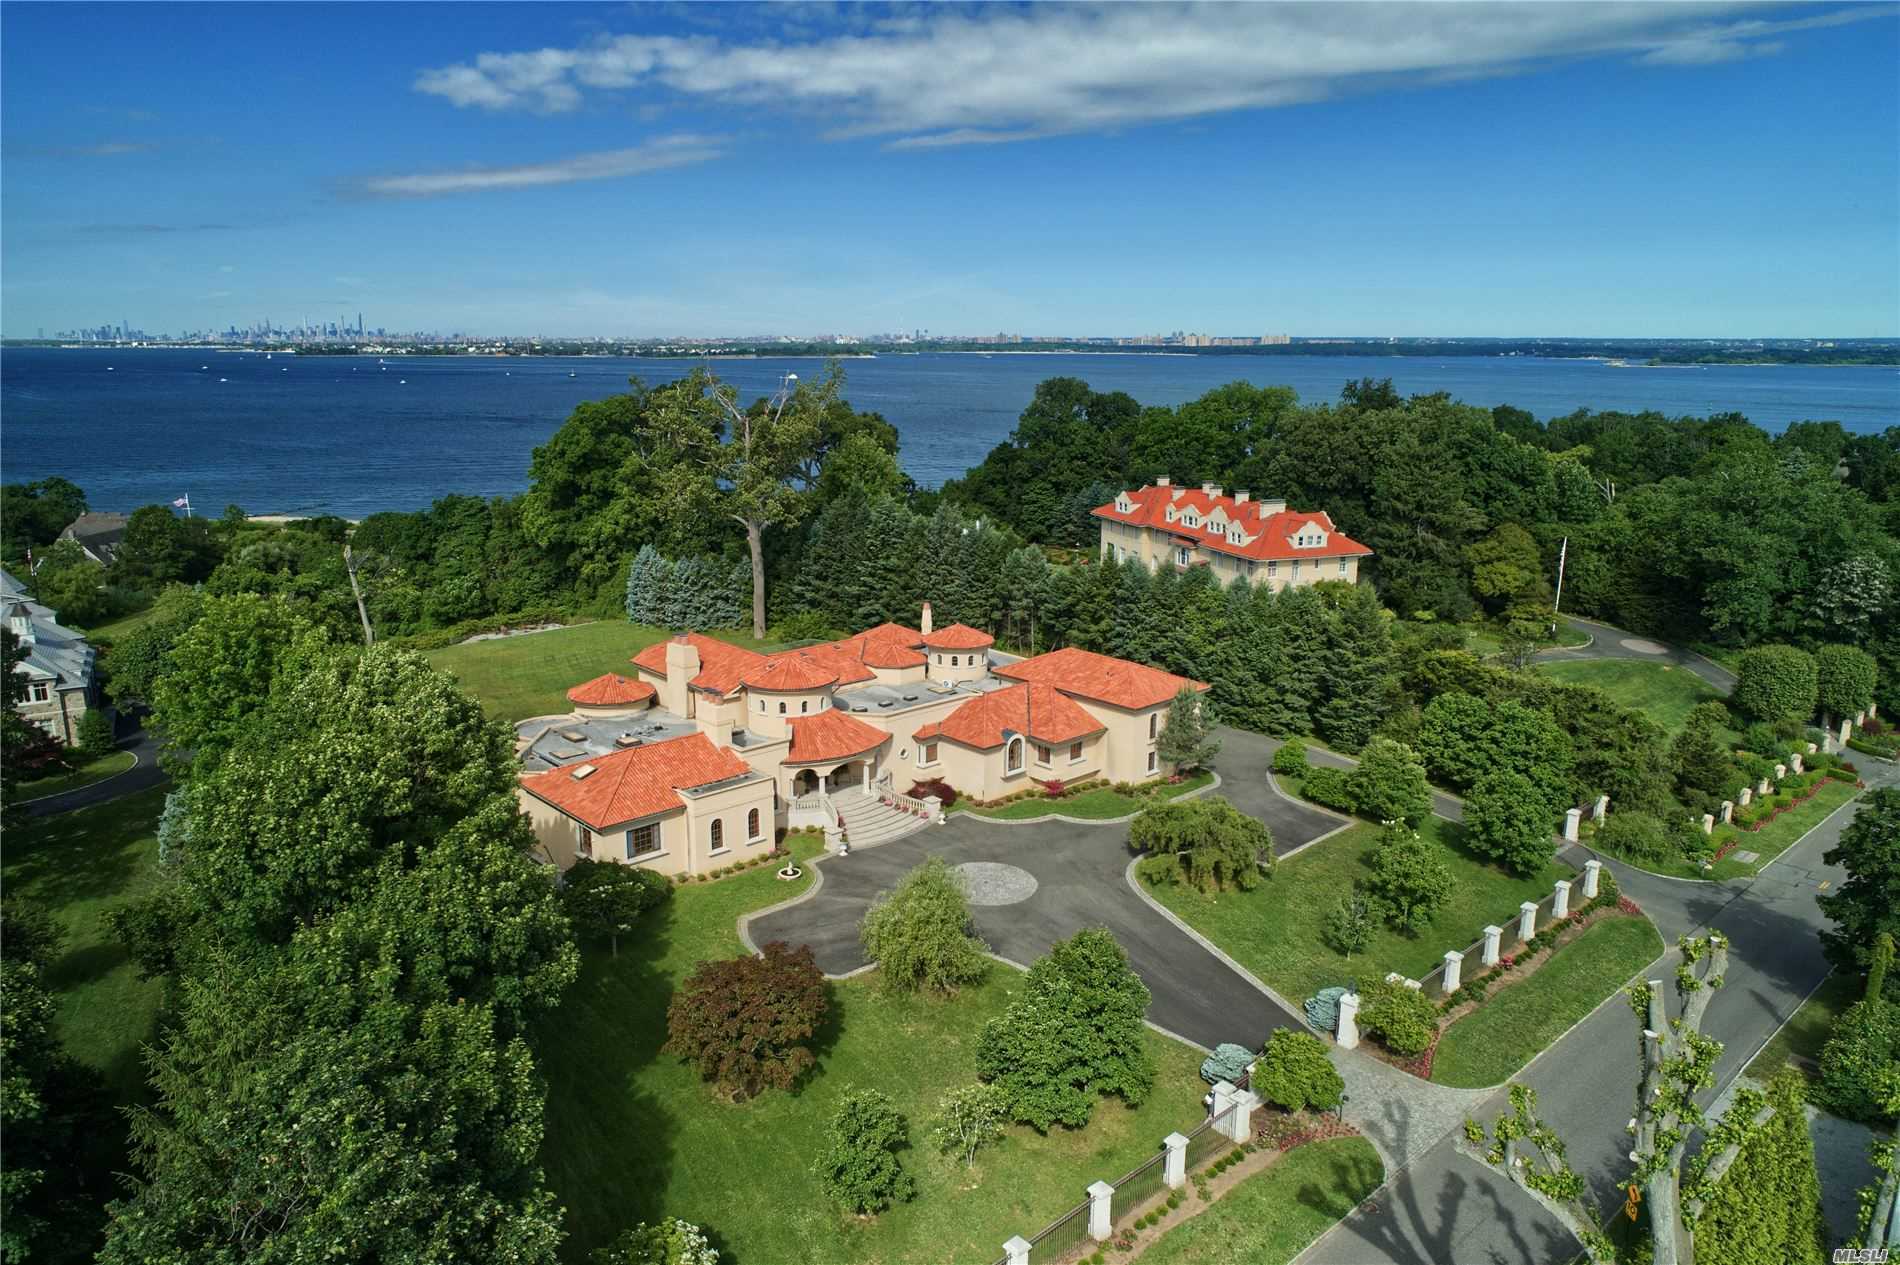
(62, 681)
(1235, 536)
(693, 760)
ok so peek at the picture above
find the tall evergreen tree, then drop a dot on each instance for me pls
(1358, 678)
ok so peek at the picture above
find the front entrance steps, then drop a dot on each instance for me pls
(867, 822)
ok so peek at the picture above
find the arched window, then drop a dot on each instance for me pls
(761, 704)
(718, 834)
(752, 824)
(953, 661)
(804, 705)
(1013, 756)
(781, 707)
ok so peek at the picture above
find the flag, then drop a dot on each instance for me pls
(181, 502)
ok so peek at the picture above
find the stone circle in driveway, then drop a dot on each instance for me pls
(1643, 646)
(994, 883)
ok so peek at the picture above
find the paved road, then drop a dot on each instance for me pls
(1080, 873)
(1447, 1208)
(1614, 643)
(146, 773)
(1244, 763)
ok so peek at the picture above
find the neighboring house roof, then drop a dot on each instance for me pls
(721, 663)
(98, 533)
(792, 671)
(611, 690)
(1036, 710)
(1265, 536)
(831, 735)
(638, 782)
(10, 586)
(958, 637)
(1099, 678)
(56, 652)
(897, 633)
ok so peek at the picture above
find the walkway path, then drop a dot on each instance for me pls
(1447, 1208)
(141, 776)
(1614, 643)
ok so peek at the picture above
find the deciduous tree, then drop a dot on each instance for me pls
(1214, 844)
(746, 1022)
(919, 933)
(1505, 820)
(1409, 879)
(858, 1167)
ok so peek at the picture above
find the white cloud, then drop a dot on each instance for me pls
(987, 75)
(658, 154)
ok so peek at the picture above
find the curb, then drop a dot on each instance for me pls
(74, 790)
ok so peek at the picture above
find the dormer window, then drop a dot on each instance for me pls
(1122, 505)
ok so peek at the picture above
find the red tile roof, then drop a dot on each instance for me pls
(1265, 536)
(898, 633)
(794, 671)
(831, 735)
(638, 782)
(720, 662)
(1099, 678)
(875, 653)
(611, 690)
(845, 667)
(1036, 710)
(958, 637)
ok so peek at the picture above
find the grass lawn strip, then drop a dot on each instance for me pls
(1103, 803)
(1510, 1027)
(1769, 842)
(529, 675)
(1800, 1040)
(1661, 691)
(1270, 1214)
(98, 769)
(634, 1135)
(1274, 931)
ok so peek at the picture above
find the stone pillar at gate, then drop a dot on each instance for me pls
(1592, 875)
(1454, 967)
(1601, 808)
(1348, 1033)
(1746, 797)
(1728, 811)
(1527, 920)
(1571, 820)
(1560, 905)
(1492, 935)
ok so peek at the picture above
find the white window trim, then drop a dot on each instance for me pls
(931, 763)
(760, 837)
(1154, 762)
(1079, 759)
(1040, 748)
(1015, 744)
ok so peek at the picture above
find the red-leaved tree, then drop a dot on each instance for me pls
(745, 1021)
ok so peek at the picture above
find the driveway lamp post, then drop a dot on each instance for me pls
(1340, 1112)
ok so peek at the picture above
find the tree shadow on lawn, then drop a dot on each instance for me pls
(84, 856)
(608, 1145)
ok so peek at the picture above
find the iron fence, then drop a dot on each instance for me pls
(1138, 1187)
(1060, 1235)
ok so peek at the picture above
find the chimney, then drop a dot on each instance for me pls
(1162, 481)
(1272, 505)
(1210, 489)
(924, 627)
(1240, 497)
(682, 665)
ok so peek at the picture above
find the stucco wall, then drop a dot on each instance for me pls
(685, 833)
(1157, 549)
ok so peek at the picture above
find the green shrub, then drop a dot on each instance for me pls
(1505, 820)
(95, 733)
(1410, 879)
(1845, 677)
(1638, 837)
(1766, 1210)
(1859, 1060)
(919, 933)
(1329, 786)
(1776, 683)
(1290, 759)
(1294, 1073)
(858, 1167)
(1226, 1063)
(1400, 1017)
(1389, 783)
(1215, 844)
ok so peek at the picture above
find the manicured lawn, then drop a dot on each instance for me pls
(111, 764)
(1661, 691)
(1100, 804)
(633, 1134)
(1807, 1030)
(79, 867)
(1274, 930)
(529, 675)
(1493, 1042)
(116, 628)
(1269, 1219)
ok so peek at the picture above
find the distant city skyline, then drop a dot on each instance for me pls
(569, 171)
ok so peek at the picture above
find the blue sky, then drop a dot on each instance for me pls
(1641, 170)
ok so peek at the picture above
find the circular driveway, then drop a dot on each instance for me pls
(1079, 878)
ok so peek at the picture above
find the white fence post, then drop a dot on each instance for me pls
(1728, 811)
(1454, 966)
(1018, 1250)
(1592, 875)
(1175, 1168)
(1348, 1034)
(1560, 905)
(1101, 1220)
(1601, 809)
(1527, 920)
(1492, 937)
(1571, 821)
